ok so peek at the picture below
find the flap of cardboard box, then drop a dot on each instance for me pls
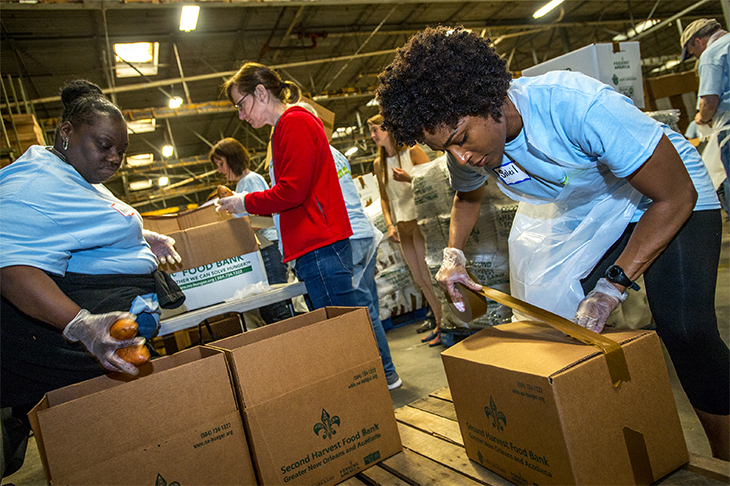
(212, 243)
(170, 223)
(543, 351)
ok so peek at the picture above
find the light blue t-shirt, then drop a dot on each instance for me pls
(52, 219)
(254, 182)
(573, 122)
(361, 227)
(714, 71)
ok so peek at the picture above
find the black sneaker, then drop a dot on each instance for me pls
(428, 325)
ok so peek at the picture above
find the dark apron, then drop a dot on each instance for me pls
(36, 358)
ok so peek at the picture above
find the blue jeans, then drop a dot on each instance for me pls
(363, 277)
(276, 274)
(327, 273)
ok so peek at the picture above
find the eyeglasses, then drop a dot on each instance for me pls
(239, 103)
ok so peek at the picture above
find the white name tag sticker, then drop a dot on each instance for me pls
(511, 174)
(123, 209)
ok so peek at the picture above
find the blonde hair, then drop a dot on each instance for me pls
(251, 74)
(382, 175)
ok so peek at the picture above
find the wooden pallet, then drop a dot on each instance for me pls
(433, 454)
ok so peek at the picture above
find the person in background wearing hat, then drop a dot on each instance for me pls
(706, 41)
(607, 194)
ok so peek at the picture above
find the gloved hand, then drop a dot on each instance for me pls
(235, 204)
(453, 270)
(162, 246)
(93, 332)
(593, 311)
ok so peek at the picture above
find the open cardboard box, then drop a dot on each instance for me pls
(177, 422)
(220, 255)
(538, 407)
(314, 397)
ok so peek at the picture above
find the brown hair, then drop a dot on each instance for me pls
(236, 155)
(383, 154)
(252, 74)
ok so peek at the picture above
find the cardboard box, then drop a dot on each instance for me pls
(219, 257)
(674, 91)
(537, 407)
(28, 133)
(314, 398)
(617, 64)
(176, 423)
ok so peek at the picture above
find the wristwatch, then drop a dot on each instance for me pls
(616, 275)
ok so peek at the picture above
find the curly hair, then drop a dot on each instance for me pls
(441, 75)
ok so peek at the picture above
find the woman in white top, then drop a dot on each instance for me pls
(392, 166)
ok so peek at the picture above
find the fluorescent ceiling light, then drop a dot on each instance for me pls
(139, 185)
(640, 27)
(139, 160)
(142, 55)
(175, 102)
(547, 8)
(350, 151)
(167, 150)
(189, 17)
(665, 67)
(142, 126)
(163, 181)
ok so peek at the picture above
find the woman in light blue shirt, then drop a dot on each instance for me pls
(607, 194)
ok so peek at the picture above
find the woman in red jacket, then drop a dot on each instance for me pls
(312, 218)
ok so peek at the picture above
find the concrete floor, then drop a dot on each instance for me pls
(422, 372)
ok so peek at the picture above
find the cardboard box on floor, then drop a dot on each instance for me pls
(314, 397)
(537, 407)
(178, 422)
(219, 254)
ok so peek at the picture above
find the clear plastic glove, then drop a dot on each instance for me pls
(162, 246)
(453, 270)
(235, 204)
(93, 332)
(593, 311)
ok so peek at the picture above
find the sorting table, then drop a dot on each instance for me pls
(433, 454)
(277, 293)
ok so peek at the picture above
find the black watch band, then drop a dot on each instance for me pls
(616, 275)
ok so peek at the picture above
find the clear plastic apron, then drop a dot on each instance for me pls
(555, 244)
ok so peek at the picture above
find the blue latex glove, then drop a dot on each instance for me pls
(593, 311)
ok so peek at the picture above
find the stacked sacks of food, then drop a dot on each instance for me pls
(397, 292)
(486, 249)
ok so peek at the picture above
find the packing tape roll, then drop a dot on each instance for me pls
(475, 306)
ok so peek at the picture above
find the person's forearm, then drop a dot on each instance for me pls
(464, 215)
(664, 179)
(37, 295)
(707, 109)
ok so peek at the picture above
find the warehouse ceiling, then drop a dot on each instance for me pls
(333, 49)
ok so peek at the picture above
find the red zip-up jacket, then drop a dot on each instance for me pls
(307, 193)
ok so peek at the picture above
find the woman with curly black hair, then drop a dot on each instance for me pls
(607, 194)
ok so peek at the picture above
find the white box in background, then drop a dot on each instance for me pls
(617, 64)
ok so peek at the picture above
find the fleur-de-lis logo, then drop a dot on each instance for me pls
(496, 416)
(326, 426)
(161, 482)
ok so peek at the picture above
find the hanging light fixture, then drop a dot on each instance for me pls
(546, 8)
(189, 17)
